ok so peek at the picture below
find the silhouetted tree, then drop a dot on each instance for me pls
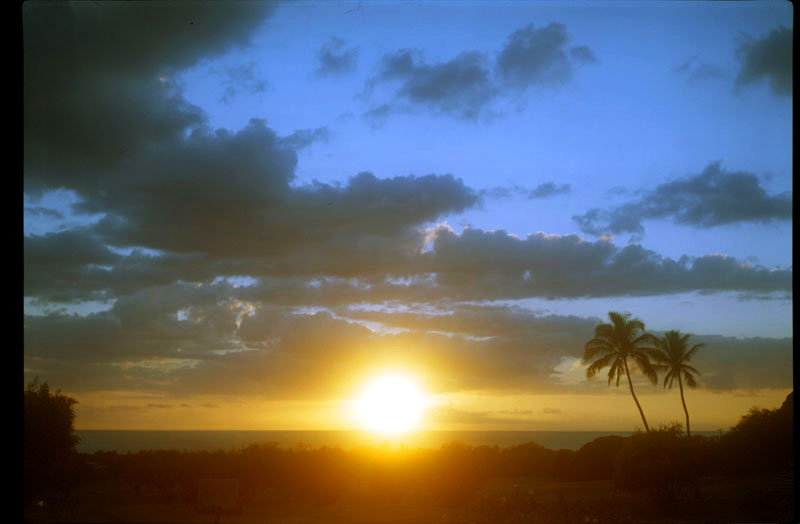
(613, 344)
(672, 355)
(762, 441)
(49, 455)
(661, 463)
(595, 459)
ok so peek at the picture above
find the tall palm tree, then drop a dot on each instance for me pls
(672, 355)
(614, 344)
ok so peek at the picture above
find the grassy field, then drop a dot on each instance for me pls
(505, 500)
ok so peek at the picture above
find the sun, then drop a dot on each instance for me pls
(390, 403)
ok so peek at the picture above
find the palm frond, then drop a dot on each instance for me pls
(618, 319)
(614, 371)
(645, 366)
(599, 364)
(595, 347)
(669, 376)
(689, 354)
(659, 356)
(645, 339)
(690, 381)
(687, 367)
(606, 332)
(634, 326)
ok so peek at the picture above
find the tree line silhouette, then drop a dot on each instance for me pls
(664, 463)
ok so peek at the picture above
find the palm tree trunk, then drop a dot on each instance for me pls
(630, 383)
(680, 384)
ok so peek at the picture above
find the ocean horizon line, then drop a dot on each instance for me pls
(124, 441)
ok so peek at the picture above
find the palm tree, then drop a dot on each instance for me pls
(672, 356)
(613, 344)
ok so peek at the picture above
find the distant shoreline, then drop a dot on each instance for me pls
(124, 441)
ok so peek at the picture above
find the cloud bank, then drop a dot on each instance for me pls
(187, 211)
(713, 197)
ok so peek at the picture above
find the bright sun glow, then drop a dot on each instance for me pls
(390, 404)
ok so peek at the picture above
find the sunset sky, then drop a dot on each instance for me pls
(236, 214)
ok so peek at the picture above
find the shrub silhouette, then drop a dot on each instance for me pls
(50, 459)
(661, 462)
(595, 460)
(762, 441)
(452, 474)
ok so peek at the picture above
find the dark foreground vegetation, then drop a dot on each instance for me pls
(743, 475)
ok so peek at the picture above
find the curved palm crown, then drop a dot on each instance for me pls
(672, 355)
(617, 342)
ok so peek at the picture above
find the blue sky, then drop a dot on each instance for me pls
(659, 133)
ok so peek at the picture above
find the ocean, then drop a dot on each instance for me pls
(131, 441)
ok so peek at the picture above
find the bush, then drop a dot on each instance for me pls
(50, 460)
(662, 463)
(762, 442)
(595, 460)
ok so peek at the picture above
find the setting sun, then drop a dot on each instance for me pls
(390, 404)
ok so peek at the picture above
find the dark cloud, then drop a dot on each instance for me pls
(543, 190)
(486, 321)
(239, 78)
(729, 363)
(768, 59)
(534, 56)
(479, 265)
(746, 297)
(182, 204)
(231, 348)
(624, 218)
(473, 266)
(212, 202)
(58, 265)
(144, 325)
(273, 352)
(465, 86)
(43, 212)
(711, 198)
(116, 93)
(376, 117)
(334, 59)
(305, 137)
(549, 189)
(460, 87)
(583, 54)
(173, 199)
